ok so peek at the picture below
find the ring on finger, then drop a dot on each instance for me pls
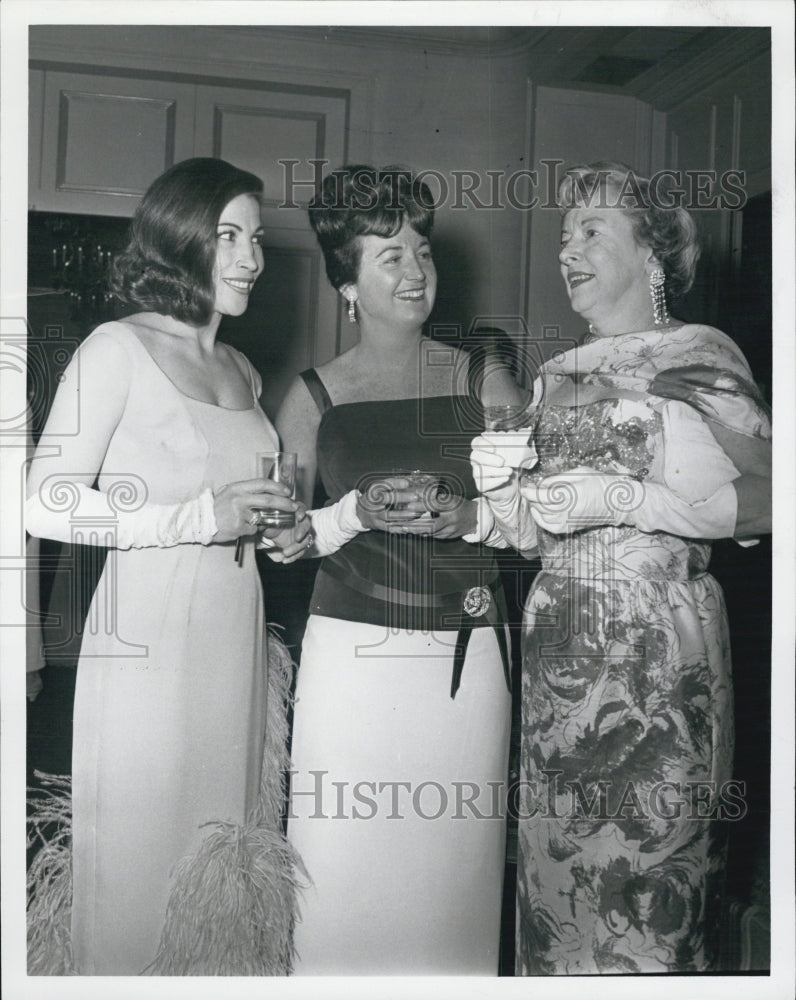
(254, 520)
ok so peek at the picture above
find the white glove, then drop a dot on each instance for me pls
(73, 512)
(496, 454)
(335, 525)
(486, 531)
(503, 519)
(580, 499)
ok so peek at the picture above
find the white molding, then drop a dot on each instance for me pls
(524, 304)
(668, 88)
(245, 66)
(484, 42)
(737, 115)
(674, 150)
(658, 144)
(713, 127)
(642, 153)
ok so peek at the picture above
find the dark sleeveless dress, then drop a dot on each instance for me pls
(402, 719)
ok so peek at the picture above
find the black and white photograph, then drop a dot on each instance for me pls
(398, 499)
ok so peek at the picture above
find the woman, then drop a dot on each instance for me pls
(651, 441)
(402, 700)
(170, 704)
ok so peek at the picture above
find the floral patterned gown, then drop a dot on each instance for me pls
(627, 725)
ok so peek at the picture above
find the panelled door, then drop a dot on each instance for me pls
(289, 137)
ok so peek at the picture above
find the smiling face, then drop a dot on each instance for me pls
(397, 281)
(239, 254)
(606, 271)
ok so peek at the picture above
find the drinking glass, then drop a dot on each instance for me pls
(280, 466)
(424, 484)
(523, 417)
(505, 416)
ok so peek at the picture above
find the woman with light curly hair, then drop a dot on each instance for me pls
(652, 440)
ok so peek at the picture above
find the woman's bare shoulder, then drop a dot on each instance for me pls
(339, 373)
(111, 337)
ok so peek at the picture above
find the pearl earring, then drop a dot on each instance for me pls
(659, 311)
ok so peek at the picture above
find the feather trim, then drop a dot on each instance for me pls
(49, 878)
(232, 904)
(230, 910)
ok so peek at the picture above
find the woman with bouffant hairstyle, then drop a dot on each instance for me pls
(652, 440)
(177, 863)
(402, 699)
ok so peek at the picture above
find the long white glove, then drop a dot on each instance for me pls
(487, 532)
(496, 454)
(73, 512)
(495, 458)
(335, 525)
(572, 501)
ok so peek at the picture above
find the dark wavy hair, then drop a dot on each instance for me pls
(671, 233)
(359, 200)
(167, 265)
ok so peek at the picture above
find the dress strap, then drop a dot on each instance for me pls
(252, 383)
(317, 389)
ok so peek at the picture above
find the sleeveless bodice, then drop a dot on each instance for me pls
(401, 580)
(181, 445)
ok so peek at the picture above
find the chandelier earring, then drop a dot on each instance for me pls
(352, 311)
(659, 311)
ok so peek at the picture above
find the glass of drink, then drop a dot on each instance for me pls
(402, 501)
(505, 416)
(280, 466)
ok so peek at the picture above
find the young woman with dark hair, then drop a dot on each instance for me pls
(176, 863)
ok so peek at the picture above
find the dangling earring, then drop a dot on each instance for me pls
(352, 312)
(659, 311)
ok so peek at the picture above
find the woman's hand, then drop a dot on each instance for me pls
(496, 455)
(236, 505)
(388, 501)
(456, 519)
(289, 544)
(582, 498)
(421, 505)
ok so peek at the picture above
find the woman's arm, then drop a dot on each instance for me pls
(752, 458)
(297, 425)
(504, 516)
(499, 387)
(85, 414)
(496, 386)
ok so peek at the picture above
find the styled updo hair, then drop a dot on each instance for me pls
(365, 201)
(670, 233)
(167, 265)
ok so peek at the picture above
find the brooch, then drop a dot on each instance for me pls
(477, 601)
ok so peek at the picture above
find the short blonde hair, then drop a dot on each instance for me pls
(671, 233)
